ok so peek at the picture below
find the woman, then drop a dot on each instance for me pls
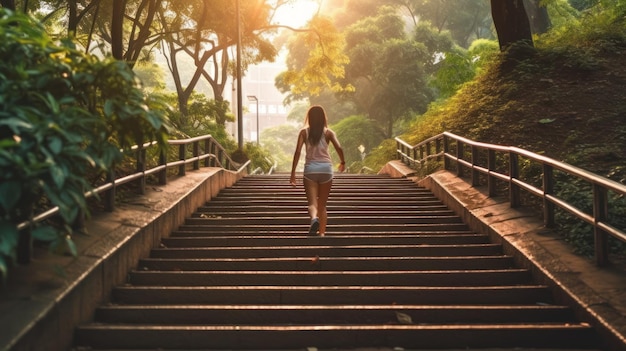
(318, 167)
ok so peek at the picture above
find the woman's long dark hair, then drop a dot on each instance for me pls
(316, 120)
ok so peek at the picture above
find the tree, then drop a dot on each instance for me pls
(8, 4)
(316, 61)
(64, 118)
(357, 132)
(203, 32)
(387, 70)
(511, 22)
(537, 11)
(465, 20)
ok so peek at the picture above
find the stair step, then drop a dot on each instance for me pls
(221, 203)
(465, 278)
(332, 227)
(370, 335)
(330, 314)
(397, 269)
(329, 263)
(302, 220)
(188, 239)
(328, 251)
(278, 212)
(349, 295)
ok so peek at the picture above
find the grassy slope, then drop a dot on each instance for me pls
(568, 104)
(565, 100)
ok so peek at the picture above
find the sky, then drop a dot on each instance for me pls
(296, 14)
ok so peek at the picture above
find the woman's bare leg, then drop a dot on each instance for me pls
(323, 194)
(311, 190)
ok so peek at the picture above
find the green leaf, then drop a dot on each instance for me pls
(71, 246)
(8, 238)
(546, 120)
(3, 270)
(16, 124)
(45, 233)
(58, 175)
(108, 108)
(56, 145)
(10, 193)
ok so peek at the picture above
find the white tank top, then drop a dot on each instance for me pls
(319, 152)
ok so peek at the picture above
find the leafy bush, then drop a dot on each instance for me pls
(580, 234)
(64, 115)
(358, 135)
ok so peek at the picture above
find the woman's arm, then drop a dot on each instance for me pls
(333, 139)
(296, 156)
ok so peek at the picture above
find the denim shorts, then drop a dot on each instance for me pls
(320, 172)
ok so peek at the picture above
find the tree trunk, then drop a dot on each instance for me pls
(72, 22)
(117, 33)
(8, 4)
(538, 16)
(511, 22)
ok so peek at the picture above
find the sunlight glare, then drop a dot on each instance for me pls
(297, 13)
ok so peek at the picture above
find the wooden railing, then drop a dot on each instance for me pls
(202, 150)
(488, 163)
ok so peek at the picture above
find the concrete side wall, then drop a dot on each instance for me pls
(40, 308)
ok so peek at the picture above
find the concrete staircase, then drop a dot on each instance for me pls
(397, 269)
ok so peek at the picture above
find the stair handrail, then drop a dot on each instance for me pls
(441, 147)
(213, 154)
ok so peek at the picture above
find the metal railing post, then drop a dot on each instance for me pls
(109, 197)
(181, 156)
(196, 153)
(207, 145)
(475, 173)
(514, 190)
(446, 151)
(600, 214)
(603, 224)
(548, 189)
(438, 146)
(163, 162)
(491, 179)
(141, 167)
(459, 156)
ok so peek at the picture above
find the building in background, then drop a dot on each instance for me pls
(260, 95)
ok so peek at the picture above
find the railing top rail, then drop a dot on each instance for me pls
(233, 166)
(189, 140)
(407, 145)
(579, 172)
(246, 164)
(599, 218)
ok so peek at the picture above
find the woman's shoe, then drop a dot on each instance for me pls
(315, 226)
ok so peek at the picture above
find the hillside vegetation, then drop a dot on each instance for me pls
(565, 102)
(564, 98)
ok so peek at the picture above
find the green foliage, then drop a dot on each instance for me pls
(380, 155)
(455, 69)
(495, 106)
(204, 116)
(464, 20)
(63, 115)
(316, 61)
(280, 142)
(357, 132)
(259, 156)
(598, 29)
(579, 233)
(388, 71)
(482, 51)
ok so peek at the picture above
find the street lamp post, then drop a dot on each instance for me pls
(239, 105)
(254, 98)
